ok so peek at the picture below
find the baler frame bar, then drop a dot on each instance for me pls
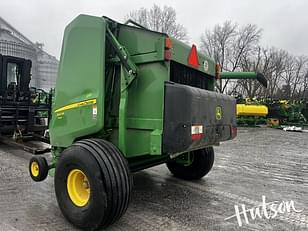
(128, 74)
(124, 57)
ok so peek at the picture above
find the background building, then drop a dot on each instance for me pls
(44, 65)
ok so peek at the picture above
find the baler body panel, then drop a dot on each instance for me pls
(144, 46)
(180, 54)
(92, 99)
(144, 111)
(78, 109)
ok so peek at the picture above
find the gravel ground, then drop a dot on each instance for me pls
(259, 162)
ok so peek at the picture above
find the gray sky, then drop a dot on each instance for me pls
(284, 22)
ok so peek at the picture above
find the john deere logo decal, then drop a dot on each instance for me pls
(206, 65)
(218, 113)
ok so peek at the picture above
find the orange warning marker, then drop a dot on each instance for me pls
(193, 57)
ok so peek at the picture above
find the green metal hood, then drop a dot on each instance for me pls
(149, 46)
(180, 54)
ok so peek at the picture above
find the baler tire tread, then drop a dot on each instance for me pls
(201, 165)
(115, 178)
(79, 157)
(43, 168)
(122, 191)
(126, 177)
(105, 170)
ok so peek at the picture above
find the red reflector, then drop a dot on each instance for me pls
(168, 54)
(217, 71)
(196, 136)
(233, 132)
(168, 43)
(193, 57)
(196, 132)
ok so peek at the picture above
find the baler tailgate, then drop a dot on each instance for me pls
(195, 118)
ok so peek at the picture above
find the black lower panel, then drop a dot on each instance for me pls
(187, 106)
(24, 118)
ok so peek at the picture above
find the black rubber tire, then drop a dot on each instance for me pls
(109, 178)
(203, 161)
(43, 168)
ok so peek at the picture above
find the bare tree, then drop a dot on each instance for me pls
(304, 90)
(228, 44)
(237, 49)
(299, 75)
(274, 76)
(218, 42)
(293, 78)
(257, 63)
(276, 65)
(288, 76)
(160, 19)
(260, 60)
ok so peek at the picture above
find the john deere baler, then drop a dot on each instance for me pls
(126, 99)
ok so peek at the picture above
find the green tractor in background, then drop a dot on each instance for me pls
(24, 110)
(287, 112)
(127, 99)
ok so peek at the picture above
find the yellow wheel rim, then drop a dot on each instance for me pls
(78, 187)
(35, 169)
